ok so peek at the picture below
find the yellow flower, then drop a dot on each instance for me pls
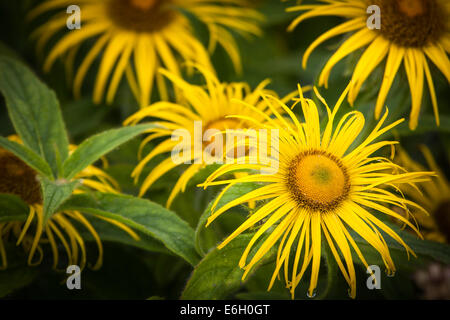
(324, 187)
(411, 31)
(19, 179)
(139, 36)
(433, 195)
(207, 106)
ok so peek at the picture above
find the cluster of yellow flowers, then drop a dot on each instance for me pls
(325, 185)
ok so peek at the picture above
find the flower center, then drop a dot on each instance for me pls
(442, 217)
(235, 137)
(411, 8)
(18, 179)
(412, 23)
(318, 180)
(223, 124)
(141, 15)
(143, 4)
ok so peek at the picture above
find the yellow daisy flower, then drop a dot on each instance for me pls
(19, 179)
(322, 187)
(434, 196)
(139, 36)
(208, 108)
(411, 31)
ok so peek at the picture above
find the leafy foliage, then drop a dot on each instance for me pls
(218, 274)
(176, 254)
(143, 215)
(34, 112)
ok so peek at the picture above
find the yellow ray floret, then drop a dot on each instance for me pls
(205, 108)
(433, 195)
(136, 37)
(412, 32)
(324, 187)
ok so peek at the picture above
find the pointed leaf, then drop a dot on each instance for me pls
(12, 208)
(424, 249)
(55, 193)
(218, 275)
(111, 233)
(13, 279)
(98, 145)
(233, 193)
(18, 274)
(34, 111)
(143, 215)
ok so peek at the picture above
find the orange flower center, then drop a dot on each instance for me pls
(411, 8)
(222, 125)
(318, 180)
(143, 4)
(141, 15)
(412, 23)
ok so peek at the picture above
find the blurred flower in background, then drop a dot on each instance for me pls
(211, 105)
(434, 282)
(136, 37)
(19, 179)
(433, 195)
(411, 32)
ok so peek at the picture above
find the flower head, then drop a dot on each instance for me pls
(433, 195)
(411, 31)
(205, 109)
(139, 36)
(324, 187)
(17, 178)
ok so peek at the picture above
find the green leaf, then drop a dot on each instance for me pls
(7, 51)
(18, 274)
(34, 111)
(218, 275)
(13, 279)
(427, 123)
(28, 156)
(434, 250)
(233, 193)
(55, 193)
(98, 145)
(111, 233)
(12, 208)
(425, 250)
(143, 215)
(333, 273)
(399, 287)
(275, 13)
